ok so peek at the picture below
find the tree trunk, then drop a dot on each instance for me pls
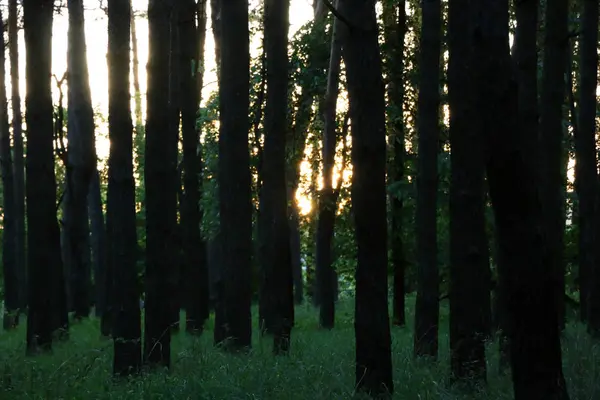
(327, 196)
(138, 139)
(552, 136)
(585, 169)
(194, 247)
(81, 160)
(9, 220)
(235, 207)
(469, 255)
(366, 93)
(316, 64)
(121, 219)
(535, 353)
(98, 244)
(160, 180)
(427, 304)
(46, 281)
(18, 160)
(394, 31)
(275, 231)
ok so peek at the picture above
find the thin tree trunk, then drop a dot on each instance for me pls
(9, 220)
(327, 197)
(98, 244)
(394, 17)
(194, 247)
(18, 159)
(427, 304)
(160, 173)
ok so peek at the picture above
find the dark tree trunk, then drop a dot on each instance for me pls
(46, 281)
(552, 174)
(121, 220)
(327, 196)
(194, 247)
(9, 220)
(394, 17)
(366, 93)
(585, 168)
(81, 161)
(160, 180)
(275, 231)
(295, 250)
(296, 145)
(98, 244)
(427, 304)
(235, 207)
(535, 353)
(138, 138)
(174, 121)
(18, 160)
(469, 256)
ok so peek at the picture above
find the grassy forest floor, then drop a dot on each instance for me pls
(320, 366)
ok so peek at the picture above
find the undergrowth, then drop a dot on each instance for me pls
(320, 367)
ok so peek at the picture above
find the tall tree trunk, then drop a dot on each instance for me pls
(394, 31)
(98, 244)
(526, 62)
(327, 196)
(535, 353)
(139, 129)
(552, 172)
(366, 93)
(427, 304)
(297, 143)
(469, 256)
(275, 231)
(44, 261)
(174, 121)
(215, 19)
(121, 219)
(18, 160)
(194, 247)
(9, 223)
(585, 168)
(161, 190)
(81, 160)
(235, 207)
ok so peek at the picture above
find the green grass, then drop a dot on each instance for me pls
(320, 366)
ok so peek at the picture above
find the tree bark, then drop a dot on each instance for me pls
(427, 304)
(327, 196)
(274, 225)
(121, 219)
(9, 217)
(18, 159)
(160, 180)
(394, 31)
(552, 172)
(194, 246)
(366, 93)
(46, 281)
(81, 160)
(469, 291)
(234, 178)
